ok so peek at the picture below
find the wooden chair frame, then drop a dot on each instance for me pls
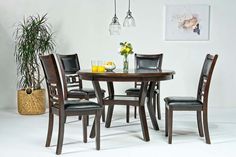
(57, 101)
(202, 96)
(156, 97)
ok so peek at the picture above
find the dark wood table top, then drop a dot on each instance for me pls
(131, 75)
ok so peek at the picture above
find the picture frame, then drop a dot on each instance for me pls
(187, 22)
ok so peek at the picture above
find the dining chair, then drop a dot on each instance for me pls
(146, 61)
(70, 66)
(59, 105)
(198, 104)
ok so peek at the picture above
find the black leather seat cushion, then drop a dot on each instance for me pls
(83, 92)
(81, 105)
(76, 92)
(135, 91)
(89, 90)
(183, 103)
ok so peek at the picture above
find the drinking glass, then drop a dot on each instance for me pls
(94, 65)
(101, 67)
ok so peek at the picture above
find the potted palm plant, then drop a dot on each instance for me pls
(33, 37)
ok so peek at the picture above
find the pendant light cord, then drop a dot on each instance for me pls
(115, 7)
(129, 5)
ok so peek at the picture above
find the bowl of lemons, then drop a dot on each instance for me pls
(109, 66)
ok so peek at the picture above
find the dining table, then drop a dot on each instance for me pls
(148, 79)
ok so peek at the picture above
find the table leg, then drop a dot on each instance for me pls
(142, 114)
(98, 92)
(109, 116)
(99, 95)
(150, 105)
(110, 88)
(143, 121)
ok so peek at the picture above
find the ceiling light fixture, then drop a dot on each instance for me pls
(114, 27)
(129, 20)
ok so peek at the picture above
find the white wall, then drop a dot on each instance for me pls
(81, 26)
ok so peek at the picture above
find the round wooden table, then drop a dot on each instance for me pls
(148, 79)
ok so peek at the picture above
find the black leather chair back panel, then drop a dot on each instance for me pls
(145, 61)
(147, 64)
(205, 78)
(70, 63)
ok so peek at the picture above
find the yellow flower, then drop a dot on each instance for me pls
(126, 48)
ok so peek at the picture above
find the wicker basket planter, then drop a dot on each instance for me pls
(31, 102)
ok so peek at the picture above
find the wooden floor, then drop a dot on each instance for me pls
(26, 135)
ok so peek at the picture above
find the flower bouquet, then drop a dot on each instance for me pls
(125, 50)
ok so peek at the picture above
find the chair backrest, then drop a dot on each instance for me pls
(148, 61)
(70, 63)
(52, 77)
(205, 78)
(69, 66)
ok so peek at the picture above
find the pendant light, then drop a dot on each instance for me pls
(114, 27)
(129, 20)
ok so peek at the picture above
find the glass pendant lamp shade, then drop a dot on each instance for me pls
(129, 20)
(114, 27)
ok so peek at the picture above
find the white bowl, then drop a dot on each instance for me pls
(110, 67)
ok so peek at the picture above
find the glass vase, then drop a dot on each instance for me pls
(125, 64)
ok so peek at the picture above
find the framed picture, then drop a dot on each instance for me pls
(187, 22)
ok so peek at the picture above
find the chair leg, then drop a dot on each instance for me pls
(85, 122)
(103, 114)
(158, 107)
(166, 121)
(92, 133)
(97, 129)
(154, 104)
(127, 113)
(87, 98)
(199, 123)
(65, 119)
(80, 118)
(170, 124)
(135, 112)
(206, 130)
(50, 128)
(60, 134)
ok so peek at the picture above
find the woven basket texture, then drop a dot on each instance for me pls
(31, 104)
